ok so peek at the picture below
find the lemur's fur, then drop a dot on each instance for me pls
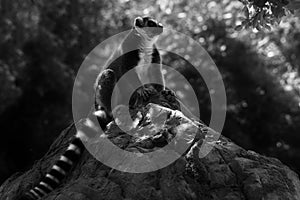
(141, 39)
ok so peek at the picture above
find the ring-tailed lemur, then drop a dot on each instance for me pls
(137, 51)
(141, 40)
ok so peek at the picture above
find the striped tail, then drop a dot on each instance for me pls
(58, 171)
(103, 89)
(63, 166)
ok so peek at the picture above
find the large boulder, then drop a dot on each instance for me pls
(226, 172)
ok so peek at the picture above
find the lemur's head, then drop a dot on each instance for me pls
(148, 27)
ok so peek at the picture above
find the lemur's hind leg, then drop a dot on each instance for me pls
(104, 86)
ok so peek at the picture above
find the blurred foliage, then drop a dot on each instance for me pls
(43, 43)
(261, 14)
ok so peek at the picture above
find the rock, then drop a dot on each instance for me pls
(228, 172)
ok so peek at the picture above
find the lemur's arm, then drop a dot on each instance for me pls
(104, 85)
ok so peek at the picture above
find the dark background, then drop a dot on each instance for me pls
(43, 43)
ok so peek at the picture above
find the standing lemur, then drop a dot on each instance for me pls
(141, 55)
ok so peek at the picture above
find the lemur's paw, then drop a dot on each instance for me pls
(168, 94)
(146, 92)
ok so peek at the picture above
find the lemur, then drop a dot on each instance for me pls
(140, 42)
(137, 51)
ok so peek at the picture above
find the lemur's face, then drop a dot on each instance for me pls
(148, 26)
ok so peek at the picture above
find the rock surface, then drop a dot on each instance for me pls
(228, 172)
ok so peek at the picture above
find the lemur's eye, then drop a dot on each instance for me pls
(151, 24)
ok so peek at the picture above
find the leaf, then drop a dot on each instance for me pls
(246, 12)
(261, 17)
(248, 25)
(238, 27)
(270, 21)
(255, 20)
(267, 27)
(258, 27)
(245, 22)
